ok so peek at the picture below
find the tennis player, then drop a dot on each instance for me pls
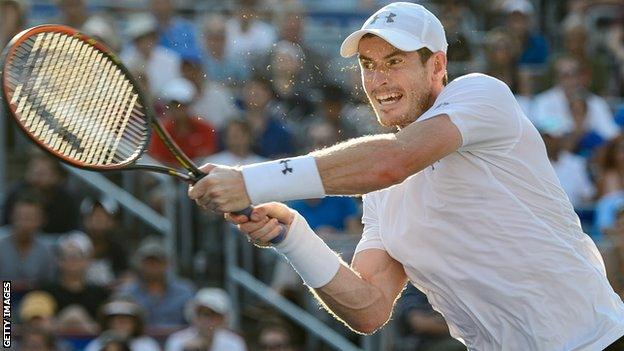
(462, 202)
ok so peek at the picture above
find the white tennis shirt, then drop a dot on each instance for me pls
(491, 238)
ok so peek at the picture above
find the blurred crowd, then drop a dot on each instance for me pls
(253, 80)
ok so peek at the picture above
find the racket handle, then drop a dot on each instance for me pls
(278, 239)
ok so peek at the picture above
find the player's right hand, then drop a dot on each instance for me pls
(264, 223)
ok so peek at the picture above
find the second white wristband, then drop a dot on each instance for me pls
(287, 179)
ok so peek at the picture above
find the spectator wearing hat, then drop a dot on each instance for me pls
(195, 136)
(237, 138)
(160, 65)
(208, 313)
(110, 261)
(213, 102)
(45, 178)
(175, 33)
(160, 294)
(36, 311)
(26, 259)
(533, 46)
(78, 301)
(217, 64)
(125, 318)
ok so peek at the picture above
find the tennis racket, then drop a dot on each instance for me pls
(73, 97)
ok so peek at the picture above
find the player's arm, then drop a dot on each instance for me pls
(362, 295)
(356, 166)
(375, 162)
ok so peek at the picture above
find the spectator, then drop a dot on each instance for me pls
(272, 139)
(78, 301)
(110, 262)
(289, 83)
(237, 140)
(26, 259)
(217, 64)
(332, 111)
(331, 214)
(160, 65)
(502, 57)
(111, 341)
(571, 169)
(195, 136)
(610, 181)
(275, 337)
(533, 46)
(213, 102)
(36, 311)
(420, 326)
(12, 19)
(45, 178)
(208, 313)
(614, 252)
(459, 52)
(246, 35)
(593, 70)
(176, 33)
(34, 339)
(125, 319)
(102, 27)
(74, 13)
(585, 115)
(160, 294)
(615, 46)
(291, 21)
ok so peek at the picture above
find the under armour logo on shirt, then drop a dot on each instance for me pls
(286, 168)
(388, 18)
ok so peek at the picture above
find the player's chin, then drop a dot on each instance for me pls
(392, 118)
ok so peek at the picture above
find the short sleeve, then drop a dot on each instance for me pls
(370, 237)
(483, 109)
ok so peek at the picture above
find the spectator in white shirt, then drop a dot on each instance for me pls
(208, 312)
(213, 102)
(246, 35)
(238, 139)
(159, 64)
(565, 100)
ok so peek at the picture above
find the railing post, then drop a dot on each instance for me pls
(231, 259)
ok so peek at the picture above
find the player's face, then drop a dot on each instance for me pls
(397, 84)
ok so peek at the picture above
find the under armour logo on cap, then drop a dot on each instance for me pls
(389, 18)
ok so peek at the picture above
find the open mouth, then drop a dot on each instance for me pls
(389, 98)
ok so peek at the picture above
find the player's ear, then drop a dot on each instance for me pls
(439, 65)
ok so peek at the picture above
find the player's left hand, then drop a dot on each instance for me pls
(222, 190)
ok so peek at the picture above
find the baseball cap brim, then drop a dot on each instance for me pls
(399, 39)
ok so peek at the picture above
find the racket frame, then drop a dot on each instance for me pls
(193, 175)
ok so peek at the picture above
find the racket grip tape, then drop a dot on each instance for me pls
(278, 239)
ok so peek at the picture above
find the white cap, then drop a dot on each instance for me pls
(140, 25)
(404, 25)
(215, 299)
(180, 90)
(522, 6)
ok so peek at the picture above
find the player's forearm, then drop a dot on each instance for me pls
(359, 304)
(362, 165)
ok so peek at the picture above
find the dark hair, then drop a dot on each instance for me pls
(609, 159)
(48, 338)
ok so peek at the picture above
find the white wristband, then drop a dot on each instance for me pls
(309, 255)
(283, 180)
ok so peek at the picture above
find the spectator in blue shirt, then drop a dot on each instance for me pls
(272, 139)
(175, 33)
(533, 46)
(161, 295)
(217, 64)
(331, 214)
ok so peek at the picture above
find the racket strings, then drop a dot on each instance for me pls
(75, 100)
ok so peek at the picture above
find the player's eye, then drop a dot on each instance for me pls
(367, 64)
(394, 61)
